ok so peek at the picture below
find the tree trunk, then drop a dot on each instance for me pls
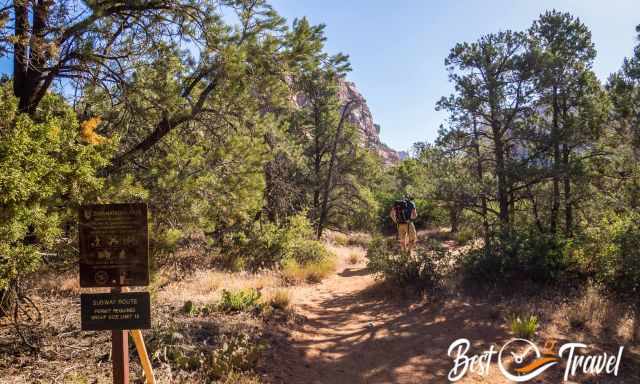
(568, 199)
(480, 176)
(328, 185)
(20, 53)
(555, 140)
(503, 195)
(317, 166)
(454, 218)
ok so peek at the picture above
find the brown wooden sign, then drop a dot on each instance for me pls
(115, 311)
(114, 245)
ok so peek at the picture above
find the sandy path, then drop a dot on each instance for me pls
(353, 333)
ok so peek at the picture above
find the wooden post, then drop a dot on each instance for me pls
(120, 353)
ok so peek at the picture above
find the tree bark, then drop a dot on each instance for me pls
(480, 176)
(568, 199)
(555, 139)
(328, 185)
(20, 52)
(503, 195)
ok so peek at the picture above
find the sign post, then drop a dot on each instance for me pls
(114, 252)
(120, 353)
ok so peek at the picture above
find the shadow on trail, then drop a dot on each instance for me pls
(350, 272)
(363, 337)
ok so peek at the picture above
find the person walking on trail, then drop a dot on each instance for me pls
(403, 213)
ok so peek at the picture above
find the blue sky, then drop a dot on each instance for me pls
(397, 48)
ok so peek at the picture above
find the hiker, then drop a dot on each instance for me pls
(403, 213)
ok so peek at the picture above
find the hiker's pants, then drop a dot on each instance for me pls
(407, 235)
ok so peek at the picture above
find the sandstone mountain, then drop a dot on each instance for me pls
(361, 116)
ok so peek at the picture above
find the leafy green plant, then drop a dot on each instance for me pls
(417, 269)
(46, 170)
(189, 308)
(526, 252)
(465, 235)
(265, 245)
(239, 300)
(523, 326)
(310, 251)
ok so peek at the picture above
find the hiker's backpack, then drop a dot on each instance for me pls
(403, 210)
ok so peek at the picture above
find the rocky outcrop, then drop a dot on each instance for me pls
(361, 116)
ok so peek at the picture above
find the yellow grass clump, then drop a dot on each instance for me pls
(313, 272)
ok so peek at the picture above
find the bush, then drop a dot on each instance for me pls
(465, 235)
(354, 258)
(611, 250)
(265, 245)
(519, 255)
(46, 170)
(401, 267)
(240, 300)
(309, 251)
(523, 326)
(310, 261)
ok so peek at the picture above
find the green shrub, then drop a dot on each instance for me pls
(46, 171)
(239, 300)
(523, 326)
(465, 235)
(417, 269)
(310, 261)
(265, 245)
(611, 250)
(524, 254)
(309, 251)
(189, 308)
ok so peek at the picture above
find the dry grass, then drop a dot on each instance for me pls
(278, 298)
(354, 258)
(591, 314)
(336, 238)
(587, 312)
(361, 240)
(206, 286)
(315, 272)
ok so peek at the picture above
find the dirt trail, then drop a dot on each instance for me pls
(353, 333)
